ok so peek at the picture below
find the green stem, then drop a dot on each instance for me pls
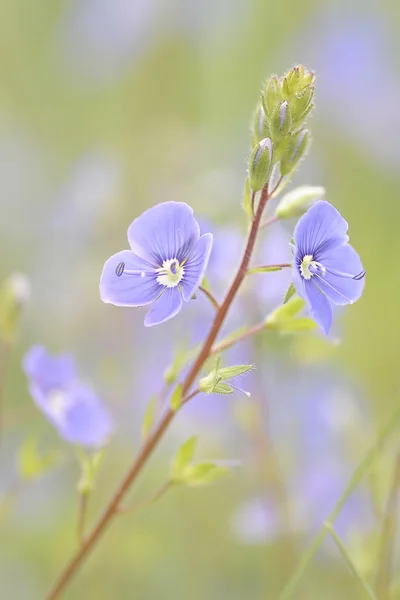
(345, 553)
(358, 474)
(210, 296)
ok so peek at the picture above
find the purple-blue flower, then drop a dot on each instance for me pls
(70, 405)
(326, 269)
(165, 265)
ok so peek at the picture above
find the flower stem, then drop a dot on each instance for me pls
(210, 297)
(153, 439)
(239, 337)
(269, 221)
(82, 511)
(350, 563)
(160, 492)
(387, 542)
(358, 474)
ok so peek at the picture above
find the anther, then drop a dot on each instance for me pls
(120, 269)
(360, 275)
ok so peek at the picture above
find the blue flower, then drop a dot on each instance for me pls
(165, 265)
(326, 269)
(71, 406)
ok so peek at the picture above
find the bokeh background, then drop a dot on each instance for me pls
(107, 108)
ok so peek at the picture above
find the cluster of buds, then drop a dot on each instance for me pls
(278, 133)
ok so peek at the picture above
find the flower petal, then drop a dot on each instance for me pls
(195, 266)
(166, 307)
(48, 372)
(321, 228)
(87, 422)
(318, 306)
(128, 289)
(341, 290)
(165, 231)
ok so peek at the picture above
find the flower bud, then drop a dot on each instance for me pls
(297, 201)
(272, 94)
(295, 151)
(298, 78)
(281, 121)
(260, 164)
(301, 104)
(259, 127)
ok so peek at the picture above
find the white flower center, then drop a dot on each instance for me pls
(58, 402)
(171, 273)
(310, 267)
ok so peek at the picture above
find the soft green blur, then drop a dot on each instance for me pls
(166, 116)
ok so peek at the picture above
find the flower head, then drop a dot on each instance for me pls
(71, 406)
(165, 265)
(326, 269)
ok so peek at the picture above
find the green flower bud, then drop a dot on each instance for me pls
(298, 78)
(281, 121)
(297, 201)
(260, 164)
(14, 295)
(272, 94)
(260, 128)
(295, 152)
(301, 104)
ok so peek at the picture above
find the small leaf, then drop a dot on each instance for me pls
(181, 356)
(247, 200)
(31, 464)
(203, 473)
(234, 371)
(205, 284)
(183, 458)
(291, 292)
(176, 398)
(285, 311)
(222, 388)
(297, 325)
(148, 417)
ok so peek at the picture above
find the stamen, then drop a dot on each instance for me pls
(334, 289)
(360, 276)
(120, 269)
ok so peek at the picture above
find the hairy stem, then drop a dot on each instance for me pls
(153, 439)
(82, 510)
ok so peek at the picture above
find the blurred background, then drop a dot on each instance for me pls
(107, 108)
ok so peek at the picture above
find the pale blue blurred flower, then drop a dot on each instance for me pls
(71, 406)
(256, 522)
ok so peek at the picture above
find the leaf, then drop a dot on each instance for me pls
(203, 473)
(297, 325)
(148, 417)
(285, 311)
(31, 464)
(183, 457)
(234, 371)
(247, 200)
(181, 356)
(291, 292)
(176, 398)
(222, 388)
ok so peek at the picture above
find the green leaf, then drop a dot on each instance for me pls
(297, 201)
(32, 464)
(176, 398)
(291, 292)
(234, 371)
(297, 325)
(148, 417)
(181, 356)
(285, 312)
(203, 473)
(183, 457)
(266, 269)
(90, 465)
(222, 388)
(247, 200)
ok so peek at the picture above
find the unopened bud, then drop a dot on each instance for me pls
(295, 152)
(301, 104)
(272, 94)
(281, 121)
(298, 78)
(297, 201)
(260, 127)
(260, 164)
